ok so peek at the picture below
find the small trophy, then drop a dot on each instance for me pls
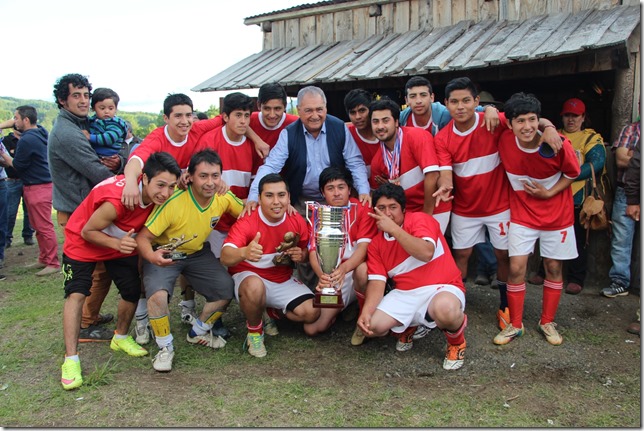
(329, 239)
(172, 246)
(290, 240)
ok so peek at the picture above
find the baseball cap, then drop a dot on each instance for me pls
(573, 106)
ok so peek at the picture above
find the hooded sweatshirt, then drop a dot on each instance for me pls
(30, 160)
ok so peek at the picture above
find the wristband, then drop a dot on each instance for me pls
(549, 125)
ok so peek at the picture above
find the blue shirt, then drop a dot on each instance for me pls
(317, 159)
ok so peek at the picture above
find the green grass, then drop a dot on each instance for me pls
(306, 382)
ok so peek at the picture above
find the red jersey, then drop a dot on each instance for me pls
(417, 157)
(109, 190)
(363, 228)
(367, 148)
(522, 165)
(159, 140)
(272, 234)
(268, 135)
(387, 259)
(237, 162)
(480, 186)
(429, 127)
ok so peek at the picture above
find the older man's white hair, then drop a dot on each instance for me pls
(311, 89)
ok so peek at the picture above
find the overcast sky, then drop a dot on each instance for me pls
(142, 49)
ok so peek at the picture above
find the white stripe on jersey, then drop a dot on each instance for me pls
(412, 177)
(114, 231)
(431, 168)
(516, 181)
(477, 166)
(236, 178)
(266, 261)
(411, 263)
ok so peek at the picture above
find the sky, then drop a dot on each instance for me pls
(142, 49)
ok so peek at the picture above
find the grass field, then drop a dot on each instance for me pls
(592, 380)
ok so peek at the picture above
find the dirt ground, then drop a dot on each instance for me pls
(597, 354)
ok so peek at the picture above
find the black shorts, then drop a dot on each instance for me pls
(124, 273)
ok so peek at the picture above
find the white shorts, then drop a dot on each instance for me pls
(348, 294)
(469, 231)
(553, 244)
(409, 307)
(443, 220)
(278, 295)
(216, 240)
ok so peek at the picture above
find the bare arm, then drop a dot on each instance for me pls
(102, 218)
(144, 244)
(231, 256)
(414, 246)
(261, 148)
(431, 185)
(444, 185)
(131, 195)
(373, 295)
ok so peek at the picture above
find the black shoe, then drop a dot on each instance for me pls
(95, 333)
(29, 241)
(3, 277)
(219, 329)
(104, 318)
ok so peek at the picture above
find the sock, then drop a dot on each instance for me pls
(119, 336)
(165, 342)
(259, 328)
(516, 297)
(407, 335)
(190, 303)
(361, 298)
(141, 309)
(199, 328)
(551, 296)
(503, 295)
(457, 337)
(73, 357)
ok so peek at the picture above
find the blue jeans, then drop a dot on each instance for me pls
(14, 194)
(621, 244)
(3, 217)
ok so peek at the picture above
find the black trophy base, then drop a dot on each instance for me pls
(175, 255)
(328, 300)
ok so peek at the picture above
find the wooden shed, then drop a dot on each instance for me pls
(556, 49)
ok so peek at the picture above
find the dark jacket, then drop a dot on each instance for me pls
(632, 178)
(30, 160)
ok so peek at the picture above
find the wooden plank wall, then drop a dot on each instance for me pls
(399, 16)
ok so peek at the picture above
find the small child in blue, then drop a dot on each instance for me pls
(107, 131)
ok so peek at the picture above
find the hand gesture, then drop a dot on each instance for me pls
(127, 244)
(383, 222)
(254, 250)
(444, 194)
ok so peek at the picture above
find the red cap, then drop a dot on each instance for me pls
(573, 106)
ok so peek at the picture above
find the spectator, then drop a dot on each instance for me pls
(632, 186)
(5, 160)
(589, 147)
(33, 168)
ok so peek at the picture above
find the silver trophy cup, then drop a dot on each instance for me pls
(330, 235)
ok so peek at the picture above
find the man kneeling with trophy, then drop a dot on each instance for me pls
(428, 290)
(259, 252)
(338, 259)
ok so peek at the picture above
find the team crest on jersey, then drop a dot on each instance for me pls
(214, 221)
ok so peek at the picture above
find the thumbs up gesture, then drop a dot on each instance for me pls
(253, 251)
(127, 244)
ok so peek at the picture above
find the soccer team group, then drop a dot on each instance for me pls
(220, 205)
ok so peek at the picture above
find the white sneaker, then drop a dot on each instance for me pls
(188, 315)
(421, 331)
(207, 339)
(142, 331)
(163, 360)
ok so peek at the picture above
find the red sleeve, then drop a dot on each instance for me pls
(375, 264)
(430, 159)
(440, 145)
(239, 231)
(151, 144)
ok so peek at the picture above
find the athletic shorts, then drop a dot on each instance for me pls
(553, 244)
(469, 231)
(409, 307)
(202, 270)
(124, 272)
(216, 240)
(278, 295)
(443, 220)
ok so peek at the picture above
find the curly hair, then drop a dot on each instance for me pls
(61, 87)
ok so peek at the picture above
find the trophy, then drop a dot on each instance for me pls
(290, 240)
(329, 239)
(172, 246)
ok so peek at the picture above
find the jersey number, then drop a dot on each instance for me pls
(564, 234)
(503, 231)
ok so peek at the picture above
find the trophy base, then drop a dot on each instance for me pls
(326, 300)
(175, 255)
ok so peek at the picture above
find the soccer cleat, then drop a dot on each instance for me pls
(142, 331)
(71, 377)
(421, 332)
(254, 344)
(29, 241)
(270, 327)
(358, 337)
(207, 339)
(104, 318)
(95, 333)
(127, 345)
(614, 290)
(218, 329)
(503, 317)
(455, 356)
(188, 315)
(508, 334)
(163, 360)
(549, 331)
(406, 339)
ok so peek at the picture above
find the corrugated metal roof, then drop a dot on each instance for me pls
(300, 7)
(466, 45)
